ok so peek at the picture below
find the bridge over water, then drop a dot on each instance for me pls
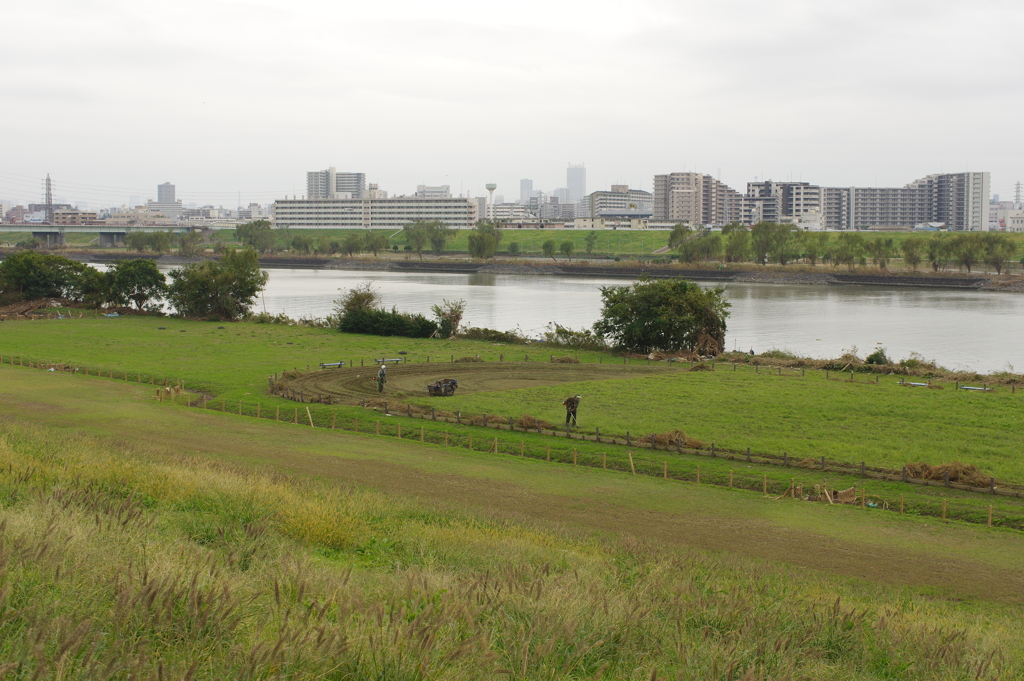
(110, 235)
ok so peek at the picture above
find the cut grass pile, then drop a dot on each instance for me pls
(123, 562)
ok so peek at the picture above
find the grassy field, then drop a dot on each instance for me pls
(881, 424)
(149, 541)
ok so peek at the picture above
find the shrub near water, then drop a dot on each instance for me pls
(121, 564)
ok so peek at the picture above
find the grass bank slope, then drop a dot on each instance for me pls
(126, 558)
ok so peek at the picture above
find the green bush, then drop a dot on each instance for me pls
(878, 357)
(492, 335)
(380, 322)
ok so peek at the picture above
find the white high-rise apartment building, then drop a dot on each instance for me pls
(576, 182)
(330, 184)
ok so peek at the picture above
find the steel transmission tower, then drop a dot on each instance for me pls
(1017, 191)
(49, 201)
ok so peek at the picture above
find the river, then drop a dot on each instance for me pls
(970, 330)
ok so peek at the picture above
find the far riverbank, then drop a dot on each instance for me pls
(769, 274)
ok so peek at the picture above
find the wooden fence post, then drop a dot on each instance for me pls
(573, 453)
(522, 448)
(547, 452)
(901, 504)
(446, 438)
(943, 510)
(421, 434)
(277, 413)
(990, 516)
(631, 466)
(470, 441)
(295, 416)
(698, 474)
(310, 417)
(334, 418)
(764, 484)
(399, 430)
(730, 478)
(376, 427)
(664, 469)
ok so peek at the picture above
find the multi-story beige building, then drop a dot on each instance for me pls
(621, 201)
(696, 199)
(330, 184)
(367, 213)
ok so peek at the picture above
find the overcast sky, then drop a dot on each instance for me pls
(218, 97)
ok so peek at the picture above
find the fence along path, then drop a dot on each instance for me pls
(319, 416)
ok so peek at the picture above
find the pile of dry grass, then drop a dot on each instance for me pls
(469, 359)
(958, 472)
(564, 359)
(670, 439)
(701, 367)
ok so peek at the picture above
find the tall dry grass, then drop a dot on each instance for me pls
(119, 563)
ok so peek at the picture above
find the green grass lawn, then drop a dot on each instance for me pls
(808, 417)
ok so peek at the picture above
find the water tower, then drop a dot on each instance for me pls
(490, 199)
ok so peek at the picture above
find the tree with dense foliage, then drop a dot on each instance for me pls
(375, 242)
(737, 247)
(28, 275)
(849, 249)
(190, 245)
(913, 250)
(590, 241)
(485, 239)
(548, 247)
(881, 250)
(939, 252)
(566, 247)
(438, 234)
(217, 289)
(815, 245)
(352, 243)
(666, 315)
(967, 250)
(680, 234)
(258, 234)
(1000, 250)
(513, 249)
(135, 281)
(417, 235)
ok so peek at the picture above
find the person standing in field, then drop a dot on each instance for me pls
(382, 377)
(571, 405)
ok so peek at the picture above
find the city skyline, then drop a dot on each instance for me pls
(865, 94)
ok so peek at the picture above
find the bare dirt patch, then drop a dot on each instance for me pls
(352, 385)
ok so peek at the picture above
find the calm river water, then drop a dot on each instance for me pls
(976, 330)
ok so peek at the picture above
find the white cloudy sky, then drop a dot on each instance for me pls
(112, 97)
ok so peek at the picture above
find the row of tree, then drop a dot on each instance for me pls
(783, 244)
(211, 289)
(189, 244)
